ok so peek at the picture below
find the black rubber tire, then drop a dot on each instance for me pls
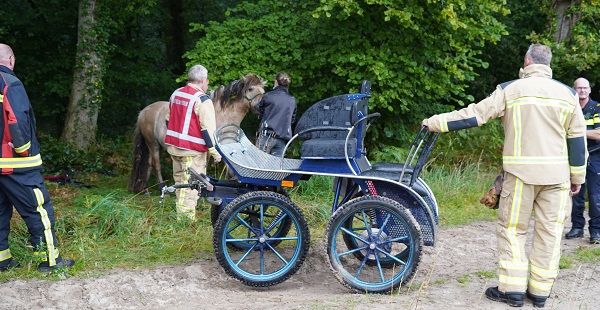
(214, 214)
(352, 244)
(251, 216)
(391, 243)
(266, 261)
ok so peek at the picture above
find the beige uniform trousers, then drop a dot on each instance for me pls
(552, 206)
(187, 198)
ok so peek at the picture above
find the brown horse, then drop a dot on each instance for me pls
(231, 103)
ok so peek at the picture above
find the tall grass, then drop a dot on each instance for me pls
(106, 227)
(458, 190)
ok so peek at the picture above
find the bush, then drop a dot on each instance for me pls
(106, 156)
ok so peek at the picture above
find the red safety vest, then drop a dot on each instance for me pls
(184, 130)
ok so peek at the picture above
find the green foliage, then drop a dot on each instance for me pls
(588, 255)
(107, 156)
(32, 27)
(481, 144)
(578, 54)
(412, 52)
(505, 57)
(464, 279)
(315, 198)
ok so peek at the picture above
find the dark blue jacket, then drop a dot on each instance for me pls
(20, 149)
(277, 112)
(591, 113)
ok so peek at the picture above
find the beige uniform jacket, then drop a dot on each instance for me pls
(206, 115)
(544, 128)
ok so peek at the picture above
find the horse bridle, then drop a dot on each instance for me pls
(252, 98)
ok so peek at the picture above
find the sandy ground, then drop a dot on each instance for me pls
(448, 278)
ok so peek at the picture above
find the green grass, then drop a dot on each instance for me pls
(106, 227)
(487, 274)
(458, 190)
(583, 254)
(464, 279)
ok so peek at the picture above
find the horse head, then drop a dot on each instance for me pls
(254, 91)
(246, 91)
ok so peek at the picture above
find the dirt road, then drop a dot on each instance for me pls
(452, 275)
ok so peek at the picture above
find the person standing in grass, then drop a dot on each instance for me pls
(543, 160)
(591, 112)
(21, 182)
(192, 123)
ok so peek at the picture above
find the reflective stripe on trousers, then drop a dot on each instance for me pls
(551, 205)
(187, 198)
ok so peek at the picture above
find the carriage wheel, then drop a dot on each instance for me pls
(353, 243)
(252, 215)
(386, 237)
(267, 259)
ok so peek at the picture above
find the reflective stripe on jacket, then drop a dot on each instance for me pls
(184, 130)
(544, 129)
(591, 113)
(20, 149)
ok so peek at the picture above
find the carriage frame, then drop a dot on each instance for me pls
(381, 216)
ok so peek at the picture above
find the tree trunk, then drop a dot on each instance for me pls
(82, 114)
(565, 20)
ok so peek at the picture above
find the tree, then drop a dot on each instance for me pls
(418, 54)
(574, 36)
(99, 22)
(82, 114)
(43, 35)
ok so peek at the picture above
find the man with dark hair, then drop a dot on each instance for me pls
(277, 113)
(543, 160)
(591, 111)
(21, 183)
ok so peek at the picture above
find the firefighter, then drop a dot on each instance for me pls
(21, 182)
(543, 159)
(191, 125)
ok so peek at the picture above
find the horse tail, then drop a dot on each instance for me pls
(141, 156)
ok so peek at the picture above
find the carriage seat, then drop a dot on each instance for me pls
(328, 123)
(247, 160)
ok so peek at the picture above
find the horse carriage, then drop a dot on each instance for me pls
(381, 216)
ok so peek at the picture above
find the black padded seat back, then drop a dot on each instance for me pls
(339, 112)
(332, 111)
(327, 149)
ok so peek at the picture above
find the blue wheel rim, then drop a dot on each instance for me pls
(260, 251)
(365, 243)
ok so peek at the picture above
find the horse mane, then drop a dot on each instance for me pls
(236, 89)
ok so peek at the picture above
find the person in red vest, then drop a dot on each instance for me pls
(21, 181)
(189, 130)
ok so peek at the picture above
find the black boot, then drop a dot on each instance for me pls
(594, 237)
(574, 233)
(60, 262)
(11, 264)
(513, 299)
(538, 301)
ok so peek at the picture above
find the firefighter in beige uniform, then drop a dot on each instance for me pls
(544, 162)
(190, 128)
